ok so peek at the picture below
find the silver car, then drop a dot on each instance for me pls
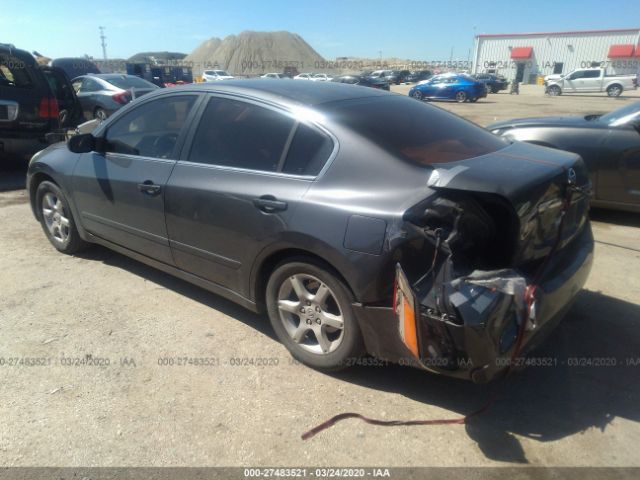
(102, 94)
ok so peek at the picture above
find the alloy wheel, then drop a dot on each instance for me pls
(310, 314)
(55, 218)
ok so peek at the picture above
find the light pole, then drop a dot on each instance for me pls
(104, 44)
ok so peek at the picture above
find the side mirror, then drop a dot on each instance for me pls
(83, 143)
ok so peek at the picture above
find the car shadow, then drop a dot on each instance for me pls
(200, 295)
(540, 403)
(592, 378)
(13, 176)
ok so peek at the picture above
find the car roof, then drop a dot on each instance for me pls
(302, 93)
(108, 75)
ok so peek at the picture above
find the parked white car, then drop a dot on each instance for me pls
(215, 75)
(322, 77)
(274, 75)
(587, 80)
(304, 76)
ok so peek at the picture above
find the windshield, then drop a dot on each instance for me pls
(127, 82)
(222, 73)
(415, 131)
(622, 115)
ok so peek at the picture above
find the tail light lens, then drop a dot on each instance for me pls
(48, 108)
(122, 98)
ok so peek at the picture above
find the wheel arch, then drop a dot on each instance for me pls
(267, 263)
(615, 84)
(34, 181)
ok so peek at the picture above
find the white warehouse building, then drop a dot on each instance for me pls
(527, 56)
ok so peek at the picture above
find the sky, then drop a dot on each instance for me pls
(417, 30)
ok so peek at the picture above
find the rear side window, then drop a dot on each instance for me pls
(308, 152)
(90, 85)
(414, 131)
(242, 135)
(126, 82)
(14, 72)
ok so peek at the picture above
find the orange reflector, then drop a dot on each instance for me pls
(410, 338)
(404, 303)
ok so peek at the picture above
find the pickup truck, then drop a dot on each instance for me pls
(587, 80)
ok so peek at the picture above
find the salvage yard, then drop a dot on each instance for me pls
(101, 330)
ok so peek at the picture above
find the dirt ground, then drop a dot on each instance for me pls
(76, 314)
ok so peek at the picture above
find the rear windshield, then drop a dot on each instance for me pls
(415, 131)
(129, 82)
(14, 72)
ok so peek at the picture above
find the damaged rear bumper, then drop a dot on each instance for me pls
(478, 341)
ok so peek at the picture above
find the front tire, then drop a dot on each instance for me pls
(614, 90)
(417, 95)
(554, 91)
(310, 310)
(56, 219)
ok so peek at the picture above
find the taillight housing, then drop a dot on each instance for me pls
(48, 108)
(122, 98)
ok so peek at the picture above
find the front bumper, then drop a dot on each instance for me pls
(481, 346)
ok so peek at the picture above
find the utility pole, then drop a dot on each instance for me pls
(104, 45)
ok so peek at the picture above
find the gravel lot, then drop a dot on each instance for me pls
(135, 412)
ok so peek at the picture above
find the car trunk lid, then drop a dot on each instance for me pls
(534, 181)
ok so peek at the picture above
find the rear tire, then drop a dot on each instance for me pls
(461, 97)
(56, 219)
(614, 90)
(100, 114)
(310, 310)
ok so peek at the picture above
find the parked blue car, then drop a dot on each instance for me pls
(451, 86)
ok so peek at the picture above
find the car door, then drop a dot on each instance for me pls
(70, 110)
(444, 88)
(237, 187)
(119, 192)
(573, 82)
(590, 82)
(619, 169)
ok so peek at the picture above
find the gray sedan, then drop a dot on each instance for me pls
(609, 145)
(423, 239)
(102, 94)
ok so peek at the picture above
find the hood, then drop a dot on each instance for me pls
(569, 121)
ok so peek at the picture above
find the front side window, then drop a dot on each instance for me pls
(240, 134)
(152, 129)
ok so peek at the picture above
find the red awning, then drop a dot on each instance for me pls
(621, 51)
(521, 53)
(637, 51)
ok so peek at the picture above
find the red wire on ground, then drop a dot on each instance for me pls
(529, 297)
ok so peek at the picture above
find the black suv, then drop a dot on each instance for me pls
(29, 107)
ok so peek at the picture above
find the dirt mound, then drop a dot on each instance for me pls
(253, 53)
